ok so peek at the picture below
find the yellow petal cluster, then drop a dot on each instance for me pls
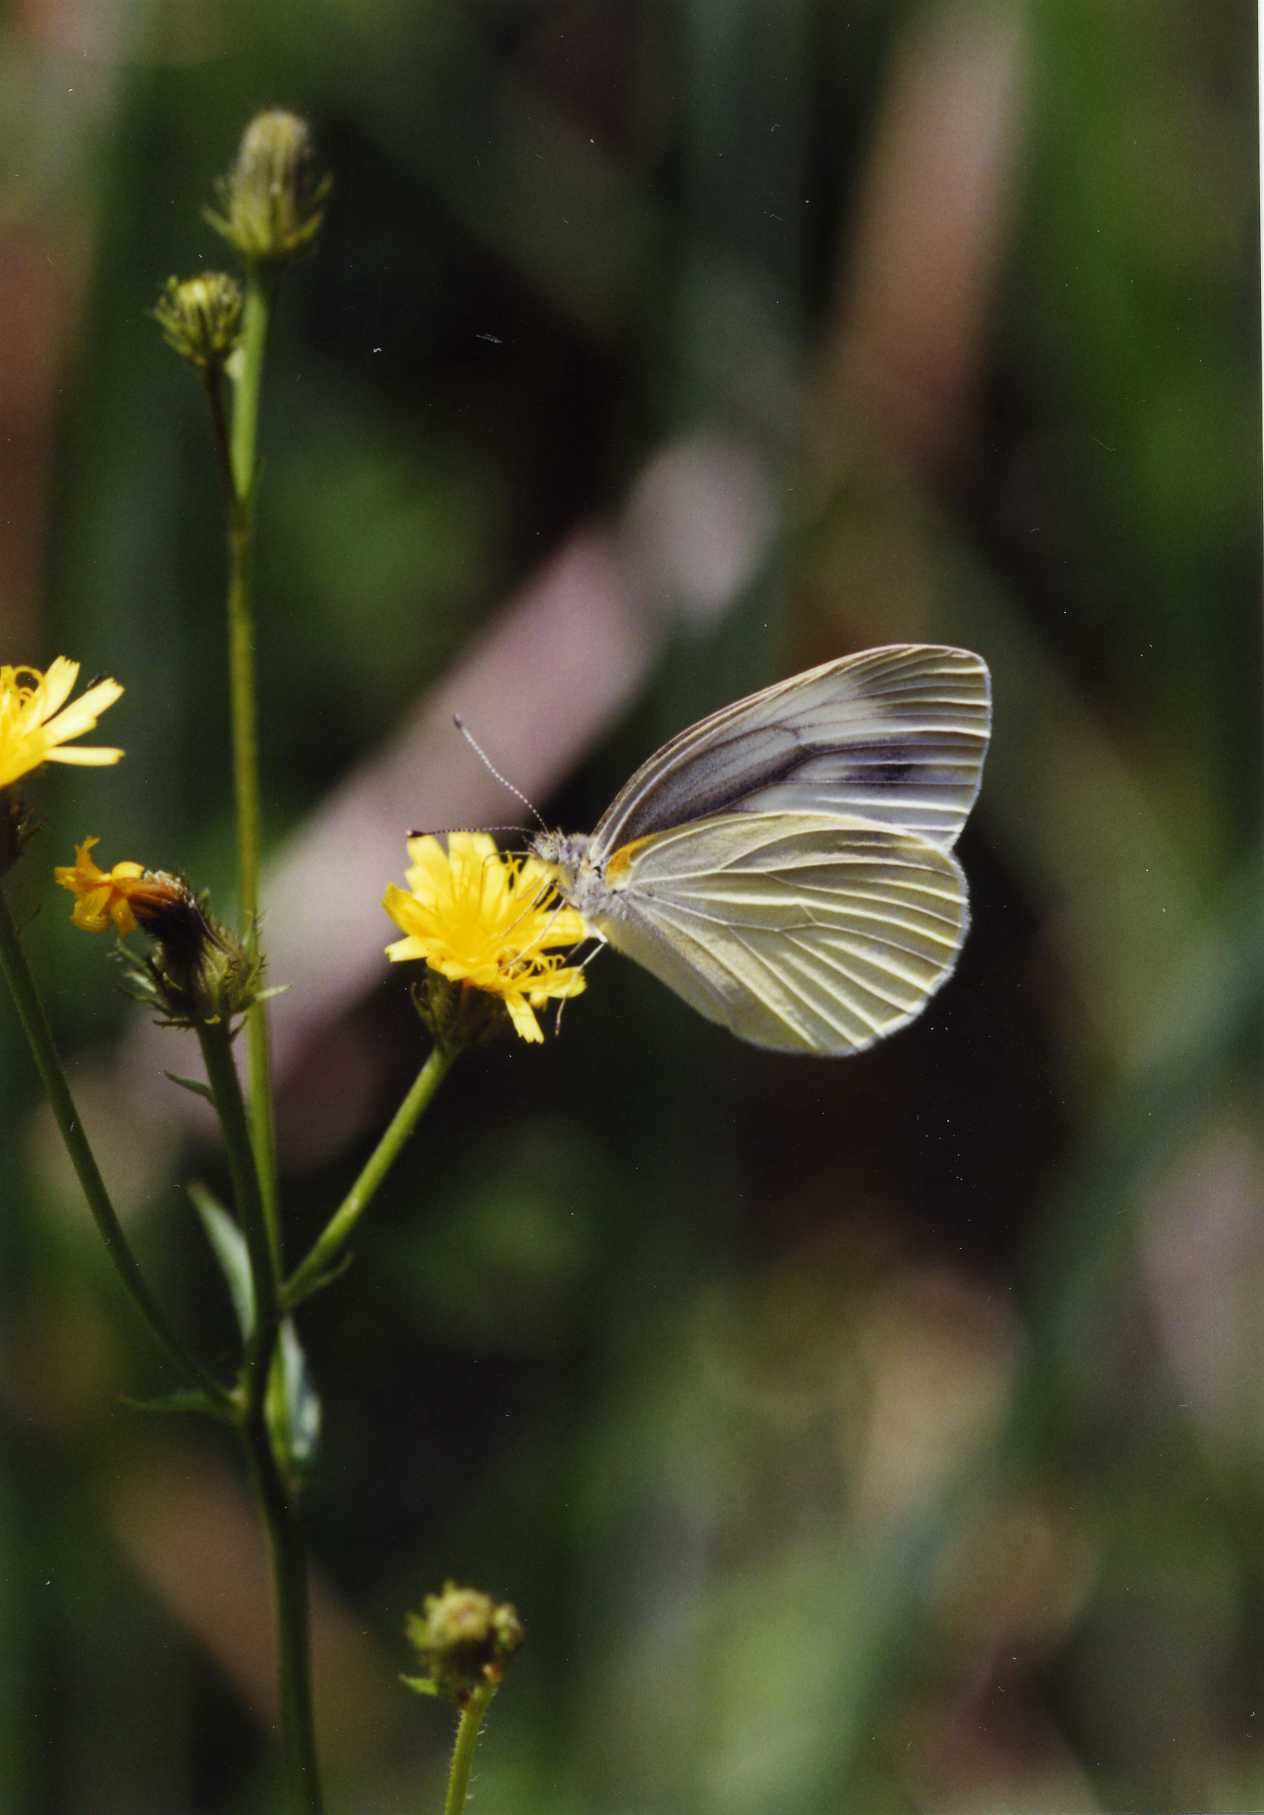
(105, 898)
(36, 723)
(486, 920)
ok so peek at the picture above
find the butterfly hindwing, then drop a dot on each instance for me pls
(807, 932)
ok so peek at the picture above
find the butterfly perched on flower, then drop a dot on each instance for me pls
(786, 864)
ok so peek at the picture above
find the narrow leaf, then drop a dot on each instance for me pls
(196, 1085)
(294, 1410)
(228, 1245)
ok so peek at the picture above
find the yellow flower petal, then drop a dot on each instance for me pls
(525, 1024)
(490, 921)
(59, 682)
(103, 898)
(91, 756)
(36, 723)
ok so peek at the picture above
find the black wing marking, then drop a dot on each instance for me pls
(895, 735)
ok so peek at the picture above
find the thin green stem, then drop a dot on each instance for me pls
(251, 1140)
(285, 1545)
(213, 385)
(48, 1063)
(289, 1596)
(472, 1716)
(255, 316)
(221, 1072)
(245, 713)
(330, 1245)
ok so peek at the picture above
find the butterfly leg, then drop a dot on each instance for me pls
(600, 942)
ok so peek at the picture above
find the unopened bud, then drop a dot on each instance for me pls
(199, 317)
(465, 1639)
(271, 202)
(198, 973)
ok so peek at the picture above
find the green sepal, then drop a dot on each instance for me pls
(293, 1408)
(228, 1245)
(420, 1685)
(196, 1085)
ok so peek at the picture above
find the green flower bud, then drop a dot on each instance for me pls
(271, 202)
(465, 1640)
(199, 317)
(198, 973)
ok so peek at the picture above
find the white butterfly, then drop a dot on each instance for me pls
(786, 864)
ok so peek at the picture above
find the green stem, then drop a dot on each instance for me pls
(463, 1751)
(221, 1072)
(213, 385)
(48, 1063)
(330, 1245)
(289, 1596)
(285, 1545)
(256, 311)
(245, 715)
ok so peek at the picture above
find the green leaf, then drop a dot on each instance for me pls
(228, 1245)
(196, 1085)
(294, 1411)
(421, 1685)
(184, 1399)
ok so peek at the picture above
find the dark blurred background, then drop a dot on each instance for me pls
(871, 1435)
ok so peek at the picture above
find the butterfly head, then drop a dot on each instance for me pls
(564, 852)
(576, 876)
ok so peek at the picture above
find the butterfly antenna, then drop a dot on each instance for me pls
(447, 831)
(490, 766)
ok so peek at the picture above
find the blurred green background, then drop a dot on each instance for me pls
(880, 1436)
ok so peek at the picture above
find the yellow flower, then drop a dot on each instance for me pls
(35, 721)
(124, 897)
(488, 921)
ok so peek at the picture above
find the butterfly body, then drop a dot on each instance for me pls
(785, 865)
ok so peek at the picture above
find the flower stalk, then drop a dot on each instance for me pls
(270, 210)
(468, 1728)
(275, 1496)
(330, 1246)
(221, 1072)
(48, 1063)
(288, 1560)
(245, 715)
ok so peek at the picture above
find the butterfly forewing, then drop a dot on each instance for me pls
(807, 932)
(896, 736)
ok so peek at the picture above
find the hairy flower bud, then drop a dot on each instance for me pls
(198, 973)
(465, 1640)
(271, 202)
(199, 317)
